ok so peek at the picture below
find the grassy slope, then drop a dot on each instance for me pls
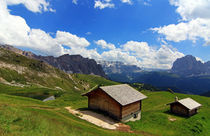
(42, 80)
(34, 71)
(25, 116)
(206, 94)
(155, 116)
(21, 116)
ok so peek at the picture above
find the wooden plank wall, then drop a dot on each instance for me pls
(192, 112)
(179, 109)
(99, 100)
(131, 108)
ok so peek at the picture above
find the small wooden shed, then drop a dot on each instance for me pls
(185, 107)
(121, 102)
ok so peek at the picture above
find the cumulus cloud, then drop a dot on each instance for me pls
(151, 57)
(143, 55)
(88, 53)
(15, 31)
(119, 55)
(32, 5)
(192, 30)
(192, 9)
(74, 1)
(195, 22)
(88, 33)
(103, 4)
(126, 1)
(104, 44)
(70, 40)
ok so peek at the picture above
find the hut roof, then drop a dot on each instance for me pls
(189, 103)
(123, 93)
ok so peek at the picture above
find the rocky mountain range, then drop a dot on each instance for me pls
(116, 67)
(18, 51)
(67, 63)
(74, 64)
(190, 66)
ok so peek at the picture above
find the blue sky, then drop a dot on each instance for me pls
(148, 33)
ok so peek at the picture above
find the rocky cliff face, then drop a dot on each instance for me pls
(74, 64)
(207, 65)
(67, 63)
(116, 67)
(18, 51)
(189, 66)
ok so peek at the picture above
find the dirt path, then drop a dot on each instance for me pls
(99, 120)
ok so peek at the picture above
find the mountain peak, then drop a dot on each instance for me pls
(189, 66)
(118, 67)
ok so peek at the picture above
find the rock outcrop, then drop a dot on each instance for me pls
(67, 63)
(189, 66)
(116, 67)
(74, 64)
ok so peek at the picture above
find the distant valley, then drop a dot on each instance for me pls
(187, 75)
(25, 82)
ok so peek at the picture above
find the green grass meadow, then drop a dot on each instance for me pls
(23, 116)
(23, 113)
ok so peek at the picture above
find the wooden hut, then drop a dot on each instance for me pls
(185, 107)
(121, 102)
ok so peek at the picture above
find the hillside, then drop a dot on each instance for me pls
(25, 82)
(23, 72)
(206, 94)
(21, 116)
(66, 63)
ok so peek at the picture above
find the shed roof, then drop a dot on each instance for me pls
(123, 93)
(189, 103)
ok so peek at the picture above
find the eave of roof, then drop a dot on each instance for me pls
(189, 103)
(123, 94)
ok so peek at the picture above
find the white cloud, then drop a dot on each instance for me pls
(89, 53)
(145, 2)
(41, 41)
(105, 45)
(192, 30)
(118, 55)
(143, 55)
(126, 1)
(74, 1)
(139, 49)
(165, 56)
(15, 31)
(68, 39)
(88, 33)
(195, 22)
(199, 59)
(32, 5)
(151, 57)
(192, 9)
(103, 4)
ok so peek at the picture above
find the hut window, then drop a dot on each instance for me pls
(135, 115)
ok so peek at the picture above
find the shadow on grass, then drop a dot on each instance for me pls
(177, 115)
